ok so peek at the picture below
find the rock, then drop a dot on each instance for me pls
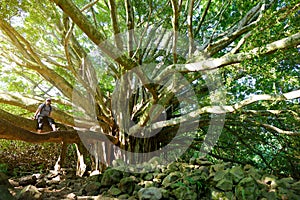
(92, 188)
(160, 176)
(29, 192)
(225, 184)
(94, 177)
(147, 167)
(39, 176)
(216, 194)
(269, 195)
(172, 167)
(41, 183)
(157, 181)
(284, 193)
(251, 171)
(183, 192)
(237, 174)
(296, 187)
(247, 189)
(218, 167)
(171, 178)
(27, 180)
(127, 185)
(123, 197)
(71, 196)
(111, 177)
(203, 162)
(270, 181)
(55, 181)
(165, 193)
(151, 193)
(132, 198)
(13, 183)
(113, 191)
(148, 177)
(285, 182)
(148, 184)
(229, 195)
(219, 175)
(200, 174)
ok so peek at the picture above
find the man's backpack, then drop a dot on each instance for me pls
(44, 105)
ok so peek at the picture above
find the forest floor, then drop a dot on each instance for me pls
(26, 172)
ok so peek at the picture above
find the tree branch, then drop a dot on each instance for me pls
(130, 27)
(221, 109)
(278, 130)
(228, 59)
(175, 24)
(190, 27)
(91, 31)
(10, 131)
(203, 17)
(115, 23)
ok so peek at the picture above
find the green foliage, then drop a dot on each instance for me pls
(3, 167)
(15, 110)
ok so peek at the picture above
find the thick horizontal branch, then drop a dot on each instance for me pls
(228, 59)
(10, 131)
(222, 109)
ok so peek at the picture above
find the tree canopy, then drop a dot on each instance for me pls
(139, 76)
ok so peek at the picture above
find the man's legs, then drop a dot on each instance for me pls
(39, 124)
(52, 123)
(53, 127)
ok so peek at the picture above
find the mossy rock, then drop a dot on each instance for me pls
(237, 174)
(284, 193)
(171, 178)
(184, 193)
(269, 195)
(286, 182)
(225, 184)
(151, 193)
(251, 171)
(270, 181)
(127, 185)
(113, 191)
(148, 177)
(296, 187)
(111, 177)
(123, 197)
(247, 189)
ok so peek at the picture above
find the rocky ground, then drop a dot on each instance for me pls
(198, 179)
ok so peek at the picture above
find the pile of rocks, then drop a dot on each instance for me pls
(198, 179)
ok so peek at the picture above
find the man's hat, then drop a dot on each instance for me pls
(48, 99)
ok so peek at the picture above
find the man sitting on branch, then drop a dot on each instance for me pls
(43, 114)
